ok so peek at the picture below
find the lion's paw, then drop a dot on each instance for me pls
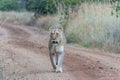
(59, 70)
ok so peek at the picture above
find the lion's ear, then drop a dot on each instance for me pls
(61, 29)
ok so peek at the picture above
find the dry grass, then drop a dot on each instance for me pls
(95, 27)
(46, 21)
(16, 17)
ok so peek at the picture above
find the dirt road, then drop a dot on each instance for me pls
(24, 56)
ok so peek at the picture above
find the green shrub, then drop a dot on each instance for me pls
(7, 5)
(43, 7)
(72, 37)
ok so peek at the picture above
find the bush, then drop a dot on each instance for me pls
(43, 7)
(72, 37)
(7, 5)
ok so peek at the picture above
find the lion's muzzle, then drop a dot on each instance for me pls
(55, 42)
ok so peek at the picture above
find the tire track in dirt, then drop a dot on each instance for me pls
(92, 69)
(16, 31)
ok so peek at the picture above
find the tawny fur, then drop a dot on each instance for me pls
(56, 48)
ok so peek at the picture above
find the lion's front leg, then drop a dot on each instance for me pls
(60, 61)
(53, 60)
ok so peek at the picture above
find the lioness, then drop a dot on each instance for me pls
(56, 48)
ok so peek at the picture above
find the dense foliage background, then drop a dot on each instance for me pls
(6, 5)
(43, 7)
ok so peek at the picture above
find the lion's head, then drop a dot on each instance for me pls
(56, 34)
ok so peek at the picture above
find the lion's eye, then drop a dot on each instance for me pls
(51, 33)
(57, 34)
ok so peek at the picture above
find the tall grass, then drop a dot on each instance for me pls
(16, 17)
(93, 26)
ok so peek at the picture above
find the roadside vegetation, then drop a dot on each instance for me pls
(87, 23)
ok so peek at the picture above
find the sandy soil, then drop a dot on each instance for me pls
(24, 56)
